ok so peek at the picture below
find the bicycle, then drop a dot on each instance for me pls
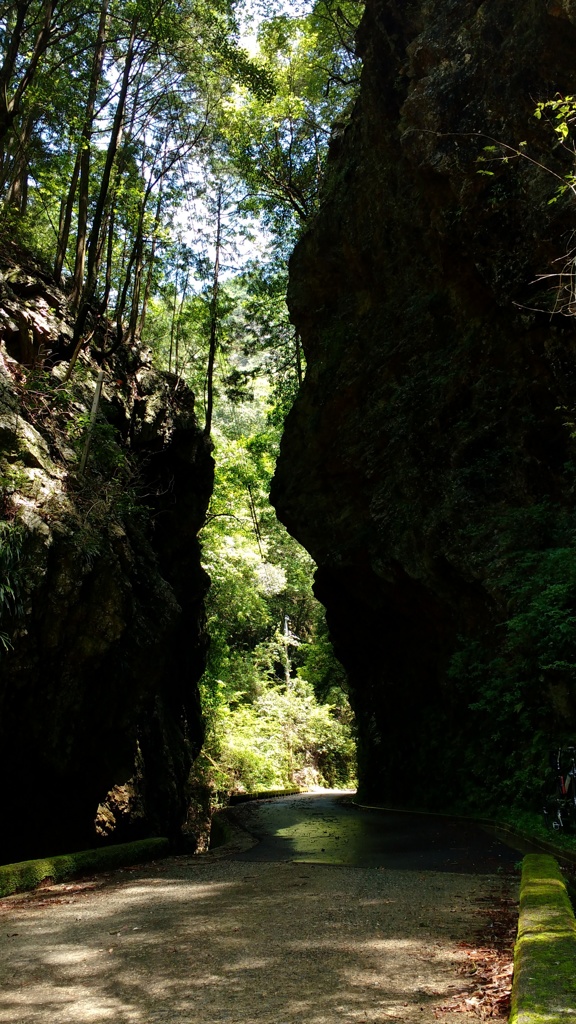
(559, 806)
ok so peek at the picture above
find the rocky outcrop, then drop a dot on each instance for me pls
(428, 464)
(101, 600)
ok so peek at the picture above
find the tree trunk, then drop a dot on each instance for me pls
(93, 247)
(66, 210)
(17, 195)
(85, 143)
(213, 320)
(93, 415)
(173, 323)
(298, 353)
(121, 304)
(109, 262)
(150, 274)
(10, 107)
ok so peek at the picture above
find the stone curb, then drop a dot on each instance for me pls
(27, 874)
(544, 987)
(265, 794)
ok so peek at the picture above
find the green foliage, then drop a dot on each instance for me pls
(12, 574)
(283, 737)
(267, 724)
(531, 824)
(278, 143)
(561, 112)
(519, 676)
(107, 453)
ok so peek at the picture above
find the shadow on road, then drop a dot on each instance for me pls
(222, 941)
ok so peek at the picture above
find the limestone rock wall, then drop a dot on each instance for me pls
(101, 602)
(428, 463)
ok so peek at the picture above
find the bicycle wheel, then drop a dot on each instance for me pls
(554, 813)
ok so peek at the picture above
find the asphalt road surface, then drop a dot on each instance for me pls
(314, 828)
(357, 917)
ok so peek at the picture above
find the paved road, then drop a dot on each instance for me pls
(330, 829)
(373, 936)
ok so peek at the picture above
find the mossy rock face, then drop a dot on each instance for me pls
(428, 464)
(544, 990)
(102, 626)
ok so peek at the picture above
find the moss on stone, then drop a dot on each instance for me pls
(544, 990)
(30, 873)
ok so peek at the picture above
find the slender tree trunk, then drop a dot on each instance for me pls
(10, 107)
(66, 211)
(150, 274)
(121, 305)
(138, 263)
(173, 322)
(92, 250)
(213, 320)
(287, 664)
(13, 42)
(85, 144)
(93, 415)
(255, 522)
(147, 289)
(17, 195)
(109, 261)
(93, 247)
(298, 352)
(179, 321)
(136, 289)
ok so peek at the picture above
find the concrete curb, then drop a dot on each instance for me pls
(544, 987)
(264, 794)
(27, 874)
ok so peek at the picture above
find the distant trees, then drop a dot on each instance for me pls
(279, 145)
(105, 109)
(109, 110)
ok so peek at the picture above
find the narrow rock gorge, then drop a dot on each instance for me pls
(429, 464)
(102, 622)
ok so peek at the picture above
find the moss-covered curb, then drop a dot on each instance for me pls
(544, 988)
(29, 873)
(265, 794)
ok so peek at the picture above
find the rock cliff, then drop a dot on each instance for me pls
(101, 589)
(429, 464)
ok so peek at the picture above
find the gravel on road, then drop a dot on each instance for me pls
(207, 940)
